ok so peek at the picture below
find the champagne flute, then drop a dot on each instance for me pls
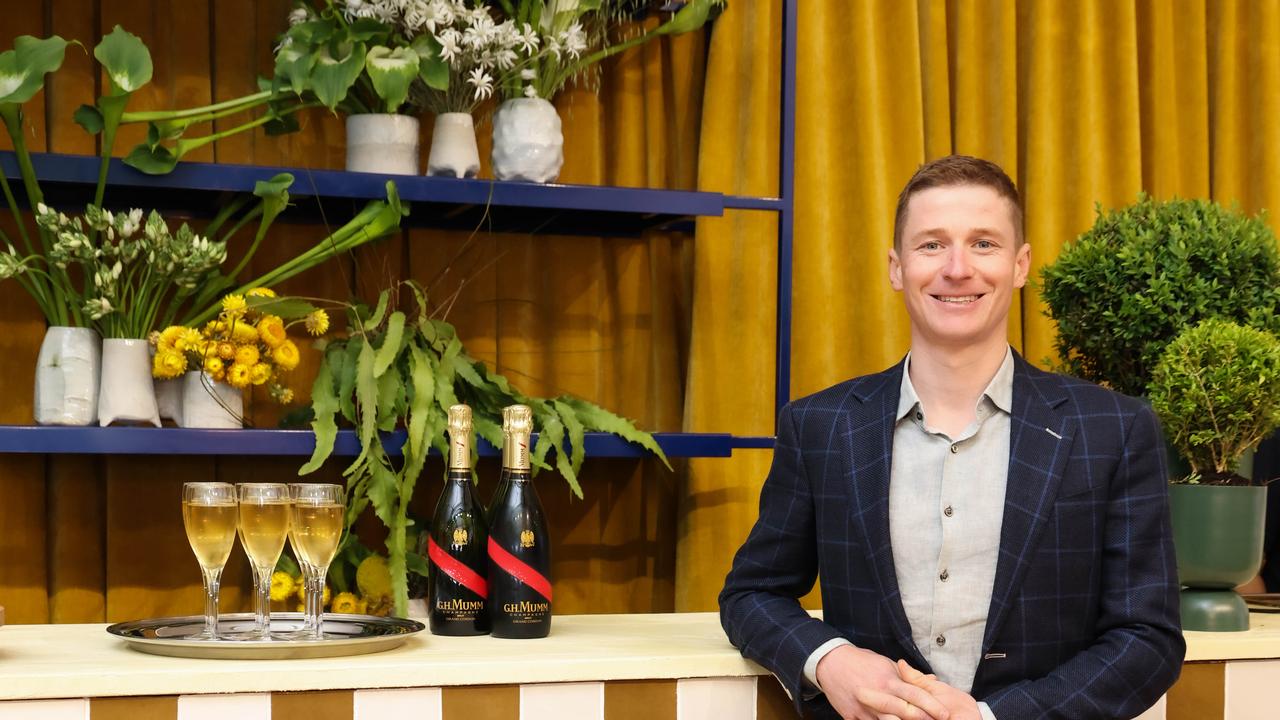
(317, 521)
(264, 524)
(209, 515)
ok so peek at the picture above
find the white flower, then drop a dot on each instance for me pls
(505, 58)
(482, 82)
(528, 74)
(575, 40)
(530, 91)
(298, 16)
(528, 39)
(449, 44)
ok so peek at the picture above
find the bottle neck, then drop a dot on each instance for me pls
(515, 453)
(460, 474)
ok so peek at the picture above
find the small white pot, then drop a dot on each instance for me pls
(169, 399)
(382, 143)
(207, 403)
(127, 392)
(453, 147)
(67, 371)
(527, 143)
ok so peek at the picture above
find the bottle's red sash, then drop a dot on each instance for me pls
(518, 569)
(456, 569)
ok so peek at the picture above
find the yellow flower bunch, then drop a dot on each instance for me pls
(242, 347)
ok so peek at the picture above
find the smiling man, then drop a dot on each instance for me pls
(993, 540)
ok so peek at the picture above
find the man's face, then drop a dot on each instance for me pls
(958, 265)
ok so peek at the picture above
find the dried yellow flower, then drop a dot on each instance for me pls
(271, 331)
(317, 323)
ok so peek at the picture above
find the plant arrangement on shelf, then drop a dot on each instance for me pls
(1144, 273)
(246, 346)
(396, 369)
(358, 582)
(114, 273)
(562, 40)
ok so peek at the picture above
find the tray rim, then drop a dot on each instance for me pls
(226, 648)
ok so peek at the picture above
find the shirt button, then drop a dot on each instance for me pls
(940, 640)
(947, 511)
(955, 449)
(943, 577)
(919, 416)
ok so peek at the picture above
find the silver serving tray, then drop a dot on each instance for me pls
(356, 635)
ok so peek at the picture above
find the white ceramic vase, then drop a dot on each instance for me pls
(127, 392)
(169, 399)
(527, 143)
(382, 143)
(207, 403)
(67, 370)
(453, 147)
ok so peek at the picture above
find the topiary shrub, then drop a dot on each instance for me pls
(1130, 284)
(1216, 389)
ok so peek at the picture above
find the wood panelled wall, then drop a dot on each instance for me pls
(88, 539)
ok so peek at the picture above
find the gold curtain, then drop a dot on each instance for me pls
(87, 539)
(1081, 102)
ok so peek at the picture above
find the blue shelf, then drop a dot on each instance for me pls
(183, 441)
(198, 189)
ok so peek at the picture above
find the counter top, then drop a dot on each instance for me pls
(55, 661)
(58, 661)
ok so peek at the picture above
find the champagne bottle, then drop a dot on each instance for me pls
(519, 545)
(458, 590)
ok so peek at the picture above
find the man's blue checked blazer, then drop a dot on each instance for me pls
(1084, 609)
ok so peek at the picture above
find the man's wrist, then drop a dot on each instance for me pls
(811, 665)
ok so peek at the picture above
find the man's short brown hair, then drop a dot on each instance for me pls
(958, 170)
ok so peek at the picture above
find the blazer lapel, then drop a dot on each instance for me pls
(1039, 442)
(868, 450)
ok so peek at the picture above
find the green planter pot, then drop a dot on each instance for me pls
(1217, 534)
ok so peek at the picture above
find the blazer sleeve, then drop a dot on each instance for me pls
(1139, 647)
(759, 605)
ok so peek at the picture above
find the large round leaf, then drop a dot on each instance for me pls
(23, 68)
(392, 71)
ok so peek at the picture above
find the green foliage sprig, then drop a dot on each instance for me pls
(397, 369)
(1130, 284)
(1217, 392)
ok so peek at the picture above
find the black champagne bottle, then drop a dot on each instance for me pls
(458, 590)
(519, 544)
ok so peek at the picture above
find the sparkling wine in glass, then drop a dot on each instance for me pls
(209, 515)
(264, 525)
(317, 522)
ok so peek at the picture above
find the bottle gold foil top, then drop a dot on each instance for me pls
(517, 425)
(459, 437)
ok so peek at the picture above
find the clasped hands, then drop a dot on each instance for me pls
(863, 685)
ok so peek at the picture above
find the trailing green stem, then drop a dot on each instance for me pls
(162, 115)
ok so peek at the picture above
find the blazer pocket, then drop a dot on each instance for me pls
(1075, 484)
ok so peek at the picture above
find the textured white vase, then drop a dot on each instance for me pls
(169, 399)
(207, 403)
(127, 392)
(382, 143)
(527, 143)
(67, 369)
(453, 147)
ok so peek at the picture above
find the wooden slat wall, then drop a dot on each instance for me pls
(89, 539)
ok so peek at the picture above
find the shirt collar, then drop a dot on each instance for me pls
(999, 391)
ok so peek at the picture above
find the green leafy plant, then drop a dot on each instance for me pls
(406, 370)
(1216, 389)
(1130, 284)
(326, 58)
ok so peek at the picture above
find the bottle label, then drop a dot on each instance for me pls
(457, 570)
(520, 570)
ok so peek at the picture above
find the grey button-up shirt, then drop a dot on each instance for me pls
(946, 507)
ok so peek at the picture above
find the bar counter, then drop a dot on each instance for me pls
(676, 666)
